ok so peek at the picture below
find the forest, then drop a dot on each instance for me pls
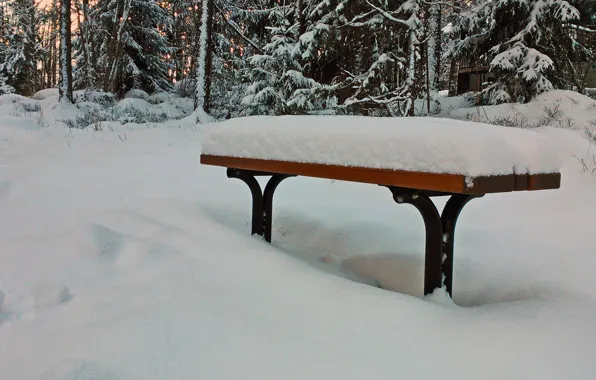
(278, 57)
(297, 189)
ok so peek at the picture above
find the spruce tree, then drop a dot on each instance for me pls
(277, 73)
(22, 48)
(528, 44)
(132, 45)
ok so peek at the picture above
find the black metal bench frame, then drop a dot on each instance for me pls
(440, 227)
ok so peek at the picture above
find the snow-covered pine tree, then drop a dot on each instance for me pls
(231, 48)
(525, 42)
(84, 48)
(180, 35)
(388, 75)
(277, 73)
(22, 48)
(131, 44)
(5, 88)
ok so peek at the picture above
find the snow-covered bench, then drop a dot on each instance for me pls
(416, 158)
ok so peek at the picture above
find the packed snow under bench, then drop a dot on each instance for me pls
(416, 158)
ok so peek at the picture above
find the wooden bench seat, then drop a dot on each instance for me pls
(266, 150)
(441, 182)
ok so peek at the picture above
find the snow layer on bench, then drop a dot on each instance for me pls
(431, 145)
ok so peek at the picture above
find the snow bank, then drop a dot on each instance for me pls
(134, 104)
(161, 97)
(46, 93)
(136, 94)
(105, 99)
(17, 105)
(442, 105)
(413, 144)
(557, 108)
(90, 107)
(139, 110)
(176, 108)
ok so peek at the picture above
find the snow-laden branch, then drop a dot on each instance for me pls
(388, 15)
(237, 31)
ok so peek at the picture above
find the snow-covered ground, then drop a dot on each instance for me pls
(121, 257)
(563, 109)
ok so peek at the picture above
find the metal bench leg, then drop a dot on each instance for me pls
(432, 223)
(257, 197)
(268, 203)
(448, 220)
(262, 202)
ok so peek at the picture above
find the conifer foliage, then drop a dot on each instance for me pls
(527, 43)
(276, 57)
(22, 48)
(131, 45)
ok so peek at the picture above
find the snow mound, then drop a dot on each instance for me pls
(14, 104)
(59, 113)
(106, 99)
(442, 105)
(79, 370)
(136, 94)
(141, 111)
(89, 106)
(557, 108)
(186, 88)
(46, 93)
(565, 97)
(15, 123)
(430, 145)
(161, 97)
(134, 105)
(12, 98)
(175, 108)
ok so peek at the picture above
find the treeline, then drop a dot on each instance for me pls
(295, 56)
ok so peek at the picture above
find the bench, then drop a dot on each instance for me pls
(464, 161)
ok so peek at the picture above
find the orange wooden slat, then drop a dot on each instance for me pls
(448, 183)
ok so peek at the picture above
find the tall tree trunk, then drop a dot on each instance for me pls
(65, 88)
(83, 10)
(301, 17)
(438, 46)
(204, 59)
(429, 44)
(453, 77)
(209, 63)
(115, 50)
(454, 64)
(55, 41)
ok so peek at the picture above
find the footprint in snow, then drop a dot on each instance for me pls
(79, 370)
(108, 241)
(4, 188)
(48, 296)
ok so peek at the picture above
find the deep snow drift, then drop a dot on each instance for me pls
(121, 257)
